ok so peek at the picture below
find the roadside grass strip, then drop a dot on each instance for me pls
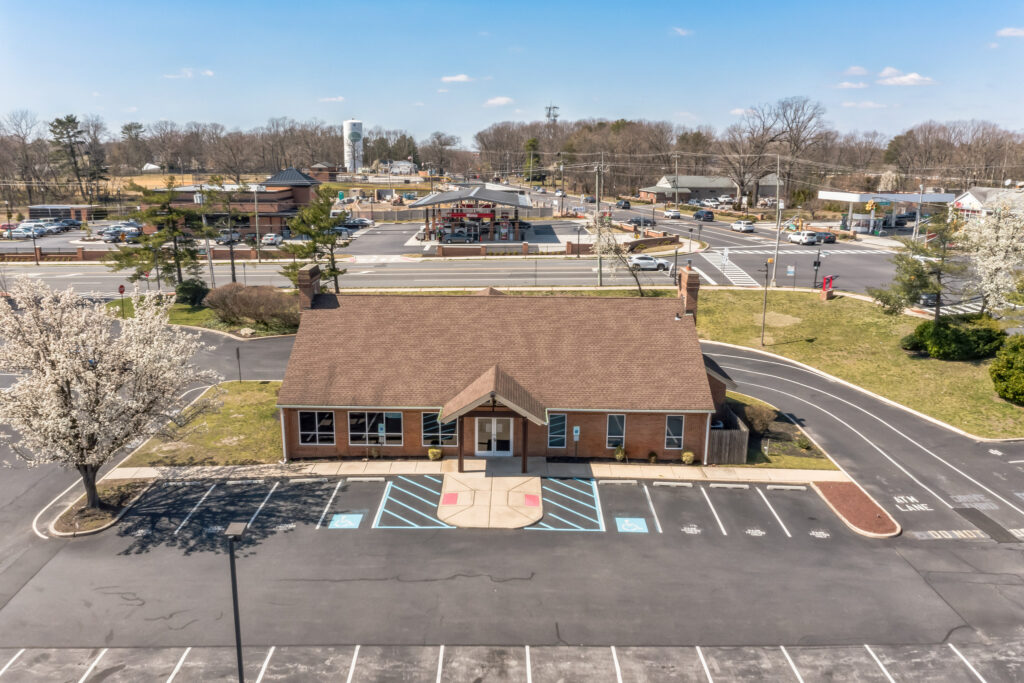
(410, 503)
(570, 505)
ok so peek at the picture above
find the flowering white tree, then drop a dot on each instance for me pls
(995, 246)
(607, 246)
(89, 385)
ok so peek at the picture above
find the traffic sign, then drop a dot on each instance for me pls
(576, 433)
(790, 270)
(120, 289)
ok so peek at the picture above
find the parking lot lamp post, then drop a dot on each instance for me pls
(35, 252)
(256, 208)
(764, 306)
(234, 532)
(778, 213)
(689, 242)
(579, 231)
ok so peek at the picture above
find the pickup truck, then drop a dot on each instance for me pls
(228, 236)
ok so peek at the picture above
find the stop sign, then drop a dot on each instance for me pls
(120, 289)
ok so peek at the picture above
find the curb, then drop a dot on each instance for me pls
(228, 334)
(848, 523)
(89, 532)
(883, 399)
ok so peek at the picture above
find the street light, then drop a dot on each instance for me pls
(579, 231)
(234, 532)
(764, 306)
(689, 242)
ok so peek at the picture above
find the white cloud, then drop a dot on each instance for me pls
(847, 85)
(892, 76)
(864, 105)
(993, 46)
(688, 116)
(182, 73)
(442, 90)
(483, 34)
(518, 111)
(95, 93)
(856, 71)
(499, 101)
(337, 98)
(1010, 32)
(417, 104)
(681, 31)
(131, 110)
(739, 111)
(207, 72)
(458, 78)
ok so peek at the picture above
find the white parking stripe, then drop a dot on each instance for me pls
(260, 508)
(704, 275)
(968, 664)
(352, 666)
(713, 511)
(788, 659)
(529, 668)
(703, 663)
(14, 659)
(618, 670)
(177, 667)
(328, 506)
(193, 510)
(88, 672)
(879, 663)
(650, 503)
(263, 669)
(440, 663)
(775, 514)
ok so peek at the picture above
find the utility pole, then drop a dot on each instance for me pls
(256, 208)
(675, 178)
(597, 222)
(778, 224)
(209, 253)
(764, 306)
(917, 218)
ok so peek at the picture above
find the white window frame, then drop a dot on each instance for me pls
(608, 423)
(368, 443)
(316, 431)
(565, 430)
(682, 433)
(423, 433)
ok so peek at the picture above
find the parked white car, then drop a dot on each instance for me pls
(804, 237)
(710, 203)
(672, 213)
(645, 262)
(559, 193)
(743, 226)
(726, 199)
(271, 239)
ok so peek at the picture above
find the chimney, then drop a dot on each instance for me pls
(689, 287)
(309, 285)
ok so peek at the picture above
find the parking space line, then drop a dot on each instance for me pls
(421, 514)
(329, 502)
(260, 508)
(433, 479)
(410, 493)
(561, 482)
(425, 488)
(88, 672)
(263, 669)
(597, 501)
(714, 512)
(789, 659)
(878, 661)
(529, 668)
(577, 526)
(380, 508)
(193, 510)
(352, 666)
(774, 514)
(440, 663)
(618, 669)
(559, 493)
(578, 514)
(968, 664)
(650, 503)
(19, 653)
(177, 667)
(703, 663)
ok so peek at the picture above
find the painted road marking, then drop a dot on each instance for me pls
(690, 529)
(618, 669)
(440, 663)
(964, 660)
(346, 521)
(88, 672)
(352, 666)
(911, 504)
(650, 504)
(995, 451)
(631, 525)
(949, 534)
(774, 514)
(177, 667)
(193, 510)
(12, 660)
(260, 508)
(878, 661)
(529, 668)
(713, 511)
(799, 678)
(1015, 462)
(976, 501)
(390, 499)
(755, 532)
(329, 502)
(263, 669)
(819, 533)
(589, 511)
(703, 663)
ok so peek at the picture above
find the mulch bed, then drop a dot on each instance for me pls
(115, 496)
(857, 508)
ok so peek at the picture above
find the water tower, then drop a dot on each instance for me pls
(353, 131)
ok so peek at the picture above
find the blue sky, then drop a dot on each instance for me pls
(459, 66)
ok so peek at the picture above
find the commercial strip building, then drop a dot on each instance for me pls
(687, 187)
(497, 375)
(484, 214)
(978, 201)
(880, 200)
(81, 212)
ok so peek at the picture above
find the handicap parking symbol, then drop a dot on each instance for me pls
(631, 525)
(346, 521)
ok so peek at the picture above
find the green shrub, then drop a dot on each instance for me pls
(803, 443)
(652, 457)
(191, 292)
(760, 417)
(620, 453)
(958, 337)
(687, 457)
(913, 342)
(434, 453)
(236, 303)
(1007, 371)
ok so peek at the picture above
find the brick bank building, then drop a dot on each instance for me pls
(493, 375)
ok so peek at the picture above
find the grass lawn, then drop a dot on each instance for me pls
(245, 431)
(115, 494)
(854, 340)
(202, 316)
(784, 446)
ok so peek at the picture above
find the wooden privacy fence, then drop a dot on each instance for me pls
(728, 446)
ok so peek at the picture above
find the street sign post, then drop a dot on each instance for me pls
(120, 290)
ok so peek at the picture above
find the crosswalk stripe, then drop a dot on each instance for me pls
(829, 252)
(730, 270)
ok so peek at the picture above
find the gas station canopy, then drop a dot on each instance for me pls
(477, 194)
(904, 197)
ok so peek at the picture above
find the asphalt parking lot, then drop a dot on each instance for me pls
(964, 662)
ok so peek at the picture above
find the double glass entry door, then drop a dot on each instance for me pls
(494, 436)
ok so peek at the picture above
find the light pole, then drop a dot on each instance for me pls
(689, 242)
(256, 207)
(764, 306)
(579, 231)
(234, 532)
(778, 216)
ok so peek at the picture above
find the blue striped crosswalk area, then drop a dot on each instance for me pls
(410, 503)
(570, 505)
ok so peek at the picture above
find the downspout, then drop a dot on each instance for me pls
(284, 444)
(707, 436)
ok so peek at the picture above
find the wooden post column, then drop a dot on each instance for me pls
(462, 441)
(522, 440)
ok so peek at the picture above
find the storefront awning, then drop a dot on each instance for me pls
(495, 385)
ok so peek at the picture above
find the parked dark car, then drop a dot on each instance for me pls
(457, 236)
(826, 238)
(703, 215)
(589, 199)
(622, 204)
(70, 223)
(641, 222)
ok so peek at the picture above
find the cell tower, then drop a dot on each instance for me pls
(551, 113)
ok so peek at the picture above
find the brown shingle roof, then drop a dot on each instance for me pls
(567, 352)
(495, 383)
